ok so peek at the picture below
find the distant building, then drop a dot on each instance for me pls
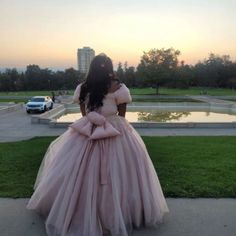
(84, 57)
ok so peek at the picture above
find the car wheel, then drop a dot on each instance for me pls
(45, 108)
(51, 106)
(28, 111)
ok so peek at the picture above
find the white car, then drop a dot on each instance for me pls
(39, 103)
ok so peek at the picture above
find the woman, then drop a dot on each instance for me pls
(97, 178)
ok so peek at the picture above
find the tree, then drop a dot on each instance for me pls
(130, 76)
(158, 65)
(215, 71)
(232, 83)
(10, 80)
(32, 77)
(72, 78)
(120, 72)
(183, 77)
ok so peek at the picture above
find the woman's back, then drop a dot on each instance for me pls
(117, 94)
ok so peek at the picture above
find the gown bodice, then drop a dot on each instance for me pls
(110, 101)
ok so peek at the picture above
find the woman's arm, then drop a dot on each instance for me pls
(121, 109)
(82, 109)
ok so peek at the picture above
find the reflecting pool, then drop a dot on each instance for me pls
(165, 116)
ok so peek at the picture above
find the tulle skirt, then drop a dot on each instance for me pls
(90, 187)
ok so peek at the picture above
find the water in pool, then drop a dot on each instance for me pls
(165, 116)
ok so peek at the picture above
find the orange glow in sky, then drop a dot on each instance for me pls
(48, 33)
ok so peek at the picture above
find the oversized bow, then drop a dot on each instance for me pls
(94, 126)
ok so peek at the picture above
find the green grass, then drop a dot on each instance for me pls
(186, 166)
(22, 100)
(181, 92)
(31, 93)
(18, 100)
(140, 91)
(195, 166)
(19, 163)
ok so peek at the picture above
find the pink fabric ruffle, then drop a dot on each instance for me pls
(122, 95)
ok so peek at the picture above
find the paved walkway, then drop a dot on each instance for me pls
(213, 100)
(187, 217)
(16, 125)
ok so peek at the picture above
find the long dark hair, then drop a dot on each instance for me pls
(97, 82)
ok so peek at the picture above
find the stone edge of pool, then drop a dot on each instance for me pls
(50, 116)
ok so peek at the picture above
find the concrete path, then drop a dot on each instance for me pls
(187, 217)
(16, 125)
(212, 100)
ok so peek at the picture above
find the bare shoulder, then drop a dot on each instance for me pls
(115, 85)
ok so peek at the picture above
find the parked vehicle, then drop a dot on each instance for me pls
(39, 103)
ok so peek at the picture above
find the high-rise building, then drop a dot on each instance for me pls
(84, 57)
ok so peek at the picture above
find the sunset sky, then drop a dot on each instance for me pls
(48, 32)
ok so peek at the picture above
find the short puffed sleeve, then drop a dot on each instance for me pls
(77, 93)
(122, 95)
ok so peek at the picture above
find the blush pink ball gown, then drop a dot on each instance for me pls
(97, 178)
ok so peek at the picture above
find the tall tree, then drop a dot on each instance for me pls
(72, 78)
(158, 65)
(32, 77)
(130, 76)
(10, 80)
(120, 72)
(215, 71)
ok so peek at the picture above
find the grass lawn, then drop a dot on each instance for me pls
(32, 93)
(22, 100)
(190, 91)
(195, 166)
(186, 166)
(14, 100)
(140, 91)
